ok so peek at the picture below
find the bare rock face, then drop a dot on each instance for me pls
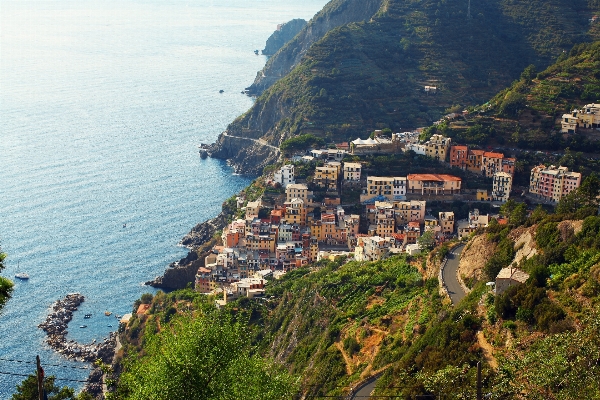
(246, 155)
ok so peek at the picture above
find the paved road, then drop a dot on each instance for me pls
(449, 276)
(365, 392)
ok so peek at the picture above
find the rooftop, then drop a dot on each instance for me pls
(433, 177)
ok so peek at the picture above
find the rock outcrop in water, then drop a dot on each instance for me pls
(282, 35)
(56, 325)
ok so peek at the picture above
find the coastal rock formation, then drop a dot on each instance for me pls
(177, 275)
(333, 15)
(56, 325)
(282, 35)
(247, 155)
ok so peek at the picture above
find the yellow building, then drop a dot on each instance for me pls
(295, 212)
(408, 211)
(437, 147)
(482, 195)
(326, 177)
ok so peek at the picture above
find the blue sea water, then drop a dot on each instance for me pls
(102, 105)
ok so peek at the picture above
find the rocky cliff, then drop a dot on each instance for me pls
(336, 13)
(281, 36)
(246, 155)
(200, 240)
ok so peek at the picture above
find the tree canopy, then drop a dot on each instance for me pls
(206, 357)
(5, 284)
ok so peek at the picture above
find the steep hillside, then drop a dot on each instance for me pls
(368, 75)
(282, 35)
(335, 13)
(527, 114)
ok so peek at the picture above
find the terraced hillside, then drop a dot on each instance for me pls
(367, 75)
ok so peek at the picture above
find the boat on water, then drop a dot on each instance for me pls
(83, 326)
(87, 316)
(107, 313)
(109, 325)
(22, 275)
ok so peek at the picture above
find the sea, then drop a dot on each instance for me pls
(102, 106)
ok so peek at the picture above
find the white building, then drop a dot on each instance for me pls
(285, 175)
(352, 171)
(502, 186)
(508, 277)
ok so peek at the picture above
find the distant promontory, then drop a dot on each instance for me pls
(283, 34)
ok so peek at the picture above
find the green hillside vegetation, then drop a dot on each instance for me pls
(6, 286)
(371, 75)
(526, 114)
(326, 327)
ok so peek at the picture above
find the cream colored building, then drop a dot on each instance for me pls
(352, 171)
(252, 209)
(409, 211)
(508, 277)
(433, 184)
(447, 222)
(297, 191)
(393, 188)
(502, 186)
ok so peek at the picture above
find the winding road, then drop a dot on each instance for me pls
(450, 275)
(450, 279)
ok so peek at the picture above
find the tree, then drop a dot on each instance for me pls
(5, 285)
(518, 215)
(426, 241)
(206, 357)
(28, 390)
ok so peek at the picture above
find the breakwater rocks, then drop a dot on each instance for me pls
(56, 325)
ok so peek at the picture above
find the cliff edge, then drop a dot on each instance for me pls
(283, 34)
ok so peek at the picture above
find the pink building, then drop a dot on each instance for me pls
(551, 183)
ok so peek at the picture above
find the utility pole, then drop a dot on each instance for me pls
(40, 378)
(479, 396)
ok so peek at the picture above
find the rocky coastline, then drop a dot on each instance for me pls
(56, 325)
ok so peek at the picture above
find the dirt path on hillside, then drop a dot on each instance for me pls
(488, 350)
(346, 358)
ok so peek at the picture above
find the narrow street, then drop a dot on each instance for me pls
(449, 276)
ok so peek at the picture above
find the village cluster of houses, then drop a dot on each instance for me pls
(301, 230)
(588, 118)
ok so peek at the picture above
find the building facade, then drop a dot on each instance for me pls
(552, 183)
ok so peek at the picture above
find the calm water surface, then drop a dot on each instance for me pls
(102, 105)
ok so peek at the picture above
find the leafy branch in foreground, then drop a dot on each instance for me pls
(205, 357)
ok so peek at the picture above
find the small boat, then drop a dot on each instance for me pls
(83, 326)
(109, 325)
(22, 275)
(221, 91)
(117, 316)
(107, 313)
(87, 316)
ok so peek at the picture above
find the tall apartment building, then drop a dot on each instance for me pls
(551, 183)
(446, 221)
(437, 147)
(297, 191)
(285, 175)
(502, 185)
(352, 171)
(326, 177)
